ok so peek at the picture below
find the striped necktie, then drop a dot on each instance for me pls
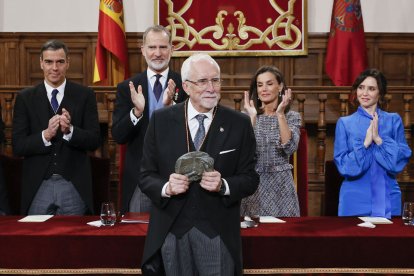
(53, 101)
(201, 132)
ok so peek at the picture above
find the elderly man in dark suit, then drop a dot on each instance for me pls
(54, 125)
(195, 226)
(158, 86)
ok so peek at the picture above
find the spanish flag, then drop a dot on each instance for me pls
(111, 38)
(346, 54)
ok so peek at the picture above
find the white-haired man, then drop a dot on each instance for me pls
(195, 226)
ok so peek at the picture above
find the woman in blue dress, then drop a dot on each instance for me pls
(370, 150)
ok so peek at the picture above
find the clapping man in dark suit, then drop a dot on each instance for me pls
(158, 86)
(55, 124)
(195, 226)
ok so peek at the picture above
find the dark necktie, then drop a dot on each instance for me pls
(201, 132)
(157, 87)
(53, 101)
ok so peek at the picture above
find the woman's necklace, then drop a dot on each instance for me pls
(187, 131)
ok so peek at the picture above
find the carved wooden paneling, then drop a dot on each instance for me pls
(391, 53)
(9, 65)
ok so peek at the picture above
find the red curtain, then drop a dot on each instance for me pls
(346, 55)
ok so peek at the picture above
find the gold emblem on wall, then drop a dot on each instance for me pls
(229, 28)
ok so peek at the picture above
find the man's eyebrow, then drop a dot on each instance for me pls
(57, 60)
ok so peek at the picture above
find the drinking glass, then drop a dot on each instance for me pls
(408, 213)
(108, 214)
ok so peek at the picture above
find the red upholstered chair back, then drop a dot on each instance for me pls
(302, 176)
(300, 172)
(333, 181)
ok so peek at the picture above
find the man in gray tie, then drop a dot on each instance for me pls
(55, 124)
(195, 225)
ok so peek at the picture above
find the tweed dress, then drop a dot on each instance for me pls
(276, 195)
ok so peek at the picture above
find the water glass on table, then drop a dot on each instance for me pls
(408, 213)
(108, 214)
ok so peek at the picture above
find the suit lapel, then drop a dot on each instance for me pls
(180, 130)
(69, 100)
(217, 134)
(143, 81)
(42, 105)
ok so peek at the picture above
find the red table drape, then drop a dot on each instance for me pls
(325, 243)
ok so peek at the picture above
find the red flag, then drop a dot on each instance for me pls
(111, 38)
(346, 54)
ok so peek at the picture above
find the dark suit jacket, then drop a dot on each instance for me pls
(124, 132)
(31, 116)
(229, 130)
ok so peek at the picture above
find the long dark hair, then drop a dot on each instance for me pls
(253, 87)
(381, 82)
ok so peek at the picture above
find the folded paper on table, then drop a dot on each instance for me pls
(376, 220)
(96, 223)
(270, 219)
(366, 224)
(135, 218)
(266, 219)
(36, 218)
(134, 221)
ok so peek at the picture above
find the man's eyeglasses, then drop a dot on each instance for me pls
(203, 83)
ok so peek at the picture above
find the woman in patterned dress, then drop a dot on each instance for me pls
(277, 131)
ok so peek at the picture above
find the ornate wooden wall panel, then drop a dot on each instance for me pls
(9, 65)
(392, 53)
